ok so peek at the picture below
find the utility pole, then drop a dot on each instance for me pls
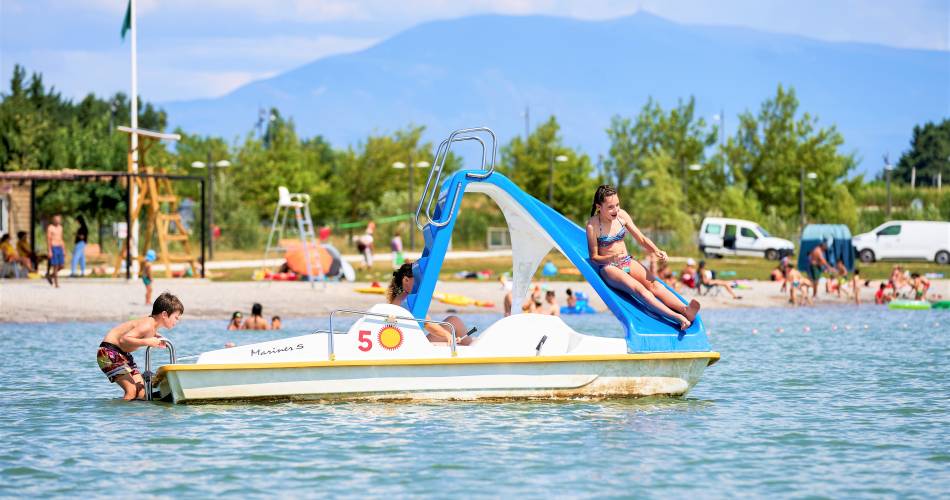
(527, 123)
(801, 196)
(887, 169)
(412, 230)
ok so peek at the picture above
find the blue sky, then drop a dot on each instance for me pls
(191, 49)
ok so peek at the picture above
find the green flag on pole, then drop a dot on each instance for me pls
(127, 23)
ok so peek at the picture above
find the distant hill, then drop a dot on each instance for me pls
(483, 70)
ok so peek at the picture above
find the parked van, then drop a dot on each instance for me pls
(905, 240)
(720, 237)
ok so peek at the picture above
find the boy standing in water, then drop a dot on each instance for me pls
(56, 249)
(114, 356)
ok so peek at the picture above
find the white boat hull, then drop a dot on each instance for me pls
(439, 379)
(387, 356)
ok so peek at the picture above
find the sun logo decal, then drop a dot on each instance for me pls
(390, 337)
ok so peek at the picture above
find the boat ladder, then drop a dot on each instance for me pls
(148, 374)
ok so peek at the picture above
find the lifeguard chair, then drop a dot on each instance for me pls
(299, 203)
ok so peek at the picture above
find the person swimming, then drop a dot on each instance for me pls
(609, 252)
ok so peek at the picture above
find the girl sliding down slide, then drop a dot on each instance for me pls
(606, 230)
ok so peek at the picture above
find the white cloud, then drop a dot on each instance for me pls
(188, 69)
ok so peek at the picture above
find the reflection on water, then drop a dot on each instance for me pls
(820, 401)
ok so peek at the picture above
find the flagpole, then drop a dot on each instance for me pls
(134, 191)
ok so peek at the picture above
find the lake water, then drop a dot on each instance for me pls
(857, 406)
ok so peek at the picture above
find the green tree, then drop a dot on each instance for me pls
(365, 173)
(530, 164)
(681, 136)
(771, 150)
(929, 153)
(282, 160)
(657, 209)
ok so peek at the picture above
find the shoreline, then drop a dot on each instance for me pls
(116, 300)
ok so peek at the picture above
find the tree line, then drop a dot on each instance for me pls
(667, 164)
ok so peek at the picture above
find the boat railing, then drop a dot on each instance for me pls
(435, 174)
(390, 318)
(147, 375)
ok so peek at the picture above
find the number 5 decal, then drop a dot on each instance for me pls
(365, 343)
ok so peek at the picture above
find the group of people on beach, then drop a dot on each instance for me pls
(902, 284)
(22, 255)
(802, 289)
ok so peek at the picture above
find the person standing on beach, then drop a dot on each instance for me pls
(147, 275)
(114, 355)
(56, 249)
(395, 245)
(79, 250)
(856, 286)
(366, 245)
(816, 264)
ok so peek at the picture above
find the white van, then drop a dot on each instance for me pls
(720, 237)
(905, 240)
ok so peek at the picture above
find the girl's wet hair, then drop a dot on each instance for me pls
(395, 285)
(602, 193)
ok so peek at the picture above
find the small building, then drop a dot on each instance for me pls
(17, 190)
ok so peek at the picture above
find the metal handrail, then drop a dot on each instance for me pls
(331, 353)
(451, 205)
(147, 375)
(435, 173)
(438, 164)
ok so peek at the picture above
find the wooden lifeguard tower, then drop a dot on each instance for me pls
(158, 198)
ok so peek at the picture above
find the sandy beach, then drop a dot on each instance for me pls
(85, 299)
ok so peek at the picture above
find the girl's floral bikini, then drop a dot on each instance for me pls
(623, 263)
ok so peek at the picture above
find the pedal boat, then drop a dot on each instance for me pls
(385, 355)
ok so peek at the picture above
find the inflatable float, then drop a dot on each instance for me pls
(916, 305)
(384, 354)
(461, 300)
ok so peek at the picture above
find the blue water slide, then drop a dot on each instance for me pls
(646, 330)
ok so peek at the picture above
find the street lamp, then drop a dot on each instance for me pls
(721, 120)
(559, 159)
(801, 192)
(411, 165)
(888, 168)
(211, 166)
(695, 167)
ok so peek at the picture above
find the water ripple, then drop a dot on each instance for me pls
(854, 405)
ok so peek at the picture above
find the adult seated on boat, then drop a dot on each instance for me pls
(399, 288)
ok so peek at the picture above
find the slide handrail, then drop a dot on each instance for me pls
(435, 174)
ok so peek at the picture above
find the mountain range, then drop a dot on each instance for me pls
(486, 70)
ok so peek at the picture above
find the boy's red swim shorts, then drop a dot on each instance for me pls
(113, 361)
